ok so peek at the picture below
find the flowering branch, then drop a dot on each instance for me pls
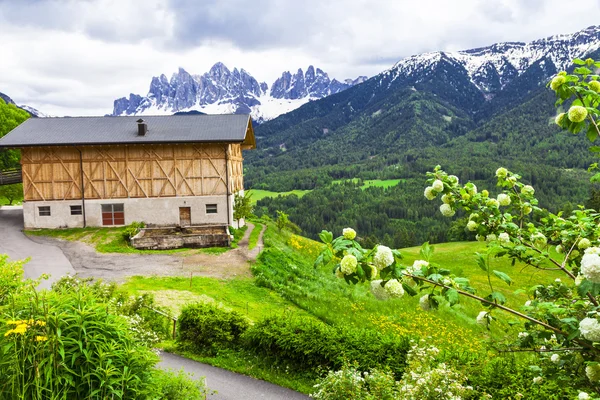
(507, 309)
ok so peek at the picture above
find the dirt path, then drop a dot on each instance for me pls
(118, 267)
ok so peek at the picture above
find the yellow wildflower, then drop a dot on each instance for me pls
(41, 338)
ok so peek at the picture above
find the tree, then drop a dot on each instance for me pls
(12, 192)
(282, 220)
(242, 206)
(10, 117)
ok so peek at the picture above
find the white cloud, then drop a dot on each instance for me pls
(68, 57)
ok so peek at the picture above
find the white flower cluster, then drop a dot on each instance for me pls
(583, 396)
(584, 244)
(501, 172)
(503, 199)
(555, 358)
(527, 190)
(590, 266)
(483, 318)
(590, 329)
(378, 291)
(447, 198)
(394, 288)
(425, 378)
(472, 226)
(429, 193)
(539, 239)
(592, 371)
(383, 257)
(349, 233)
(446, 210)
(537, 380)
(491, 237)
(424, 303)
(348, 264)
(417, 265)
(436, 187)
(504, 237)
(453, 179)
(492, 203)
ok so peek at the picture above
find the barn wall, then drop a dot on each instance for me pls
(131, 171)
(236, 168)
(153, 211)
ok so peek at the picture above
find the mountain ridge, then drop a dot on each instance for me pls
(221, 90)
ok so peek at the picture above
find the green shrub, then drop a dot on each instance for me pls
(205, 328)
(145, 323)
(68, 345)
(170, 385)
(132, 229)
(504, 377)
(11, 278)
(306, 343)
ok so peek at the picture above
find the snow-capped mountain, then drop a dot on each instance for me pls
(223, 91)
(32, 111)
(491, 69)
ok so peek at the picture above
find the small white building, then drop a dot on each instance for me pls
(176, 170)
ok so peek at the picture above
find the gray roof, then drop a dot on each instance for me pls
(124, 130)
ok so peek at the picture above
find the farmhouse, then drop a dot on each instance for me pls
(180, 170)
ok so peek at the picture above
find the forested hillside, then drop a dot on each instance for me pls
(403, 132)
(10, 117)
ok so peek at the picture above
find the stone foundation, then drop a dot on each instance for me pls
(174, 238)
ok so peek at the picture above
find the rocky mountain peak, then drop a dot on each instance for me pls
(222, 90)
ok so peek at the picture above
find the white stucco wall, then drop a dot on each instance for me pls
(155, 211)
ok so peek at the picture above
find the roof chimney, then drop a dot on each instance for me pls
(142, 127)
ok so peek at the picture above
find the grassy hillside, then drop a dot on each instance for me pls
(285, 282)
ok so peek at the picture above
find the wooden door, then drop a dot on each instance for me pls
(185, 216)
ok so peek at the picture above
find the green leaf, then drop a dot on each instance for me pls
(496, 297)
(326, 236)
(397, 254)
(409, 289)
(481, 262)
(591, 133)
(426, 251)
(340, 244)
(573, 334)
(436, 278)
(360, 272)
(584, 287)
(503, 276)
(318, 261)
(452, 296)
(595, 149)
(578, 61)
(582, 71)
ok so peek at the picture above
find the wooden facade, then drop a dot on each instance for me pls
(131, 171)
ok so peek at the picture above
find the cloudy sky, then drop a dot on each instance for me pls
(74, 57)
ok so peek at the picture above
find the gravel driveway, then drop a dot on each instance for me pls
(46, 258)
(59, 257)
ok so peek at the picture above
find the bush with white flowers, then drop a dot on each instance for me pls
(514, 226)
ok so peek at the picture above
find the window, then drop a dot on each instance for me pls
(76, 210)
(44, 211)
(211, 208)
(113, 214)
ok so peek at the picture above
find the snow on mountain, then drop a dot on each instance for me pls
(223, 91)
(34, 112)
(491, 68)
